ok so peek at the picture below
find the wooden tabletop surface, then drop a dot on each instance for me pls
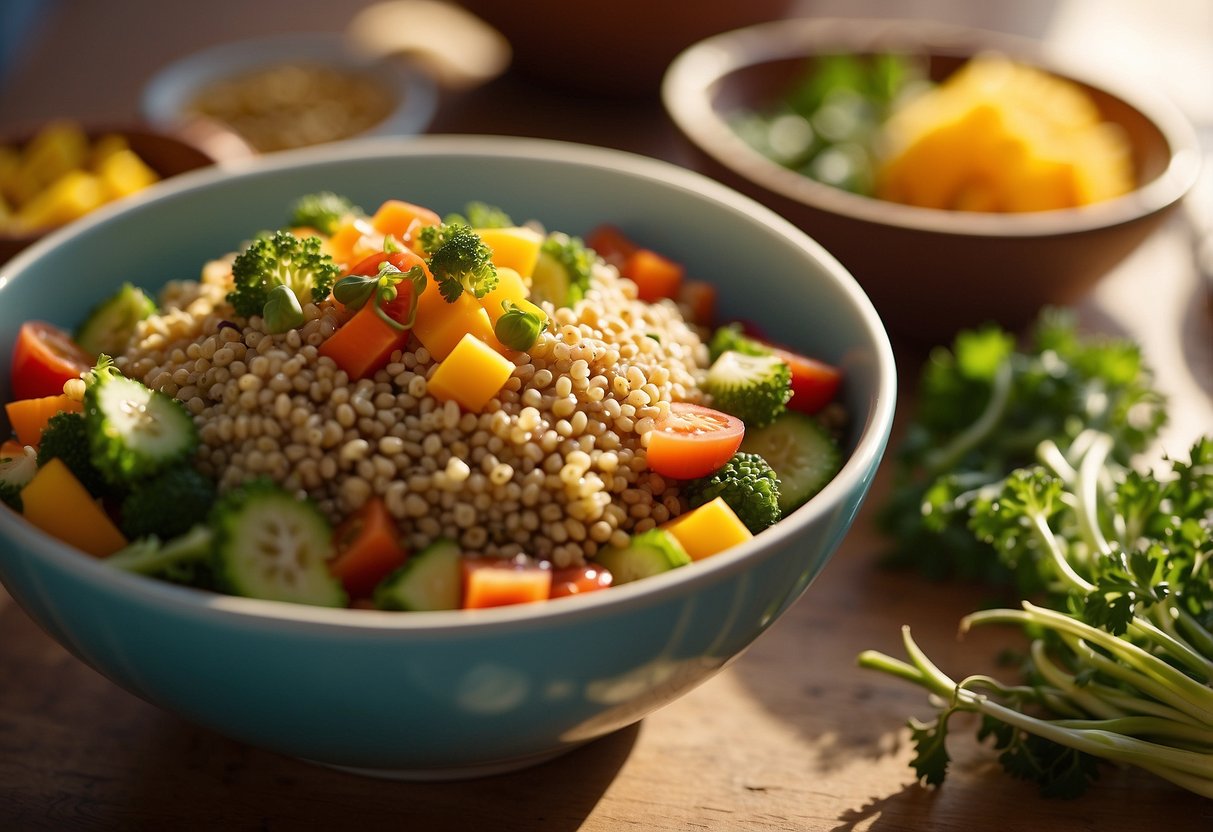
(792, 736)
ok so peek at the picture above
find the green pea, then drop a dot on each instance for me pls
(282, 311)
(517, 328)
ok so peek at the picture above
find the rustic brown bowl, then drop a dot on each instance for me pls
(931, 272)
(616, 49)
(166, 154)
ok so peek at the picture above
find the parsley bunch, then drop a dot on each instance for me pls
(1120, 665)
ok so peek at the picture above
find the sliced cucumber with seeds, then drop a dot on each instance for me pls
(804, 456)
(272, 545)
(135, 431)
(647, 554)
(432, 579)
(110, 325)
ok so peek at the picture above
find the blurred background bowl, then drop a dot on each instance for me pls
(929, 271)
(619, 48)
(292, 90)
(165, 153)
(461, 693)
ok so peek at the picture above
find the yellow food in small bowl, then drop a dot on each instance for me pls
(61, 174)
(1001, 136)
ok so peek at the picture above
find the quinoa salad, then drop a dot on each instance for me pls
(397, 410)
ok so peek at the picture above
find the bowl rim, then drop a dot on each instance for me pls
(855, 475)
(167, 93)
(691, 77)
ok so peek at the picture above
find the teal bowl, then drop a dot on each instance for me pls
(449, 694)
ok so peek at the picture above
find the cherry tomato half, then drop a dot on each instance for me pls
(693, 441)
(814, 383)
(44, 357)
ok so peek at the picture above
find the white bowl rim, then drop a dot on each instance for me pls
(167, 93)
(688, 82)
(855, 473)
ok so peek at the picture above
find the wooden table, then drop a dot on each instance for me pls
(793, 736)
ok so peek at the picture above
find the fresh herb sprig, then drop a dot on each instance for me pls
(1120, 665)
(983, 408)
(355, 291)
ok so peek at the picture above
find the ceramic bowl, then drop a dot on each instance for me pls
(167, 99)
(931, 272)
(165, 153)
(460, 693)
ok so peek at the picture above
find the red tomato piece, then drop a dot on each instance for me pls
(693, 441)
(368, 548)
(814, 383)
(578, 580)
(611, 244)
(491, 582)
(45, 357)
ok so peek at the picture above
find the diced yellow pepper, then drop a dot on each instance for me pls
(709, 529)
(471, 375)
(56, 502)
(68, 198)
(513, 248)
(122, 173)
(441, 326)
(511, 287)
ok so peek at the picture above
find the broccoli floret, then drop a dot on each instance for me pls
(185, 559)
(15, 472)
(282, 259)
(562, 272)
(459, 260)
(168, 504)
(480, 215)
(322, 211)
(754, 388)
(748, 484)
(733, 337)
(134, 431)
(66, 438)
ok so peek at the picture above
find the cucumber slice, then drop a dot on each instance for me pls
(135, 431)
(647, 554)
(110, 324)
(805, 457)
(271, 545)
(550, 281)
(432, 579)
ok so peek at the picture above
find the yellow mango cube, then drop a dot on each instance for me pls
(56, 502)
(106, 146)
(708, 530)
(472, 374)
(58, 148)
(122, 173)
(513, 248)
(68, 198)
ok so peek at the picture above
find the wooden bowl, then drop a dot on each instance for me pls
(166, 154)
(931, 272)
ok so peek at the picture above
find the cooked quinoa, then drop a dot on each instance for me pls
(554, 466)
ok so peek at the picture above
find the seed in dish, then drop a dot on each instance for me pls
(292, 105)
(404, 411)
